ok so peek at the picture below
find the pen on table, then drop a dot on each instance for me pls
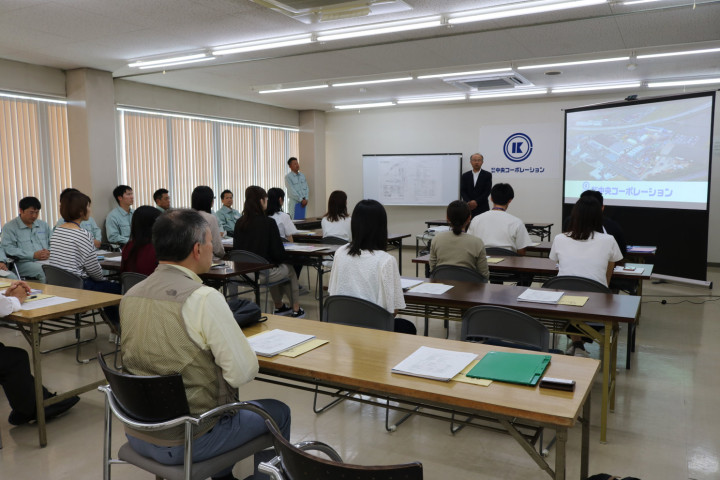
(31, 297)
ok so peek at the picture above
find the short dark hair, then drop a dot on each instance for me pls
(176, 232)
(457, 214)
(585, 219)
(119, 191)
(502, 193)
(337, 206)
(202, 198)
(225, 192)
(159, 193)
(64, 193)
(29, 202)
(74, 205)
(368, 226)
(290, 160)
(594, 194)
(273, 205)
(252, 207)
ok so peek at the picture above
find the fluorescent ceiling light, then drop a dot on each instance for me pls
(369, 82)
(177, 63)
(196, 57)
(364, 105)
(524, 8)
(679, 83)
(463, 74)
(294, 89)
(379, 28)
(672, 54)
(34, 99)
(447, 98)
(511, 93)
(590, 88)
(264, 44)
(635, 2)
(580, 62)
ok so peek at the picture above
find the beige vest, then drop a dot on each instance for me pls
(155, 341)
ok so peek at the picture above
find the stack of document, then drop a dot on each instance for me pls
(272, 342)
(540, 296)
(629, 270)
(294, 247)
(434, 363)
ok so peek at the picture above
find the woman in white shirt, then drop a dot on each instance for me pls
(583, 251)
(336, 222)
(276, 198)
(363, 268)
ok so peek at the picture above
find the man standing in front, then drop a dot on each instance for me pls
(297, 188)
(117, 223)
(475, 186)
(172, 323)
(27, 240)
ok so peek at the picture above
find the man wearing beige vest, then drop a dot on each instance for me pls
(172, 323)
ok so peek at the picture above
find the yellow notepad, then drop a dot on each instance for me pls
(303, 347)
(573, 301)
(5, 283)
(462, 376)
(495, 259)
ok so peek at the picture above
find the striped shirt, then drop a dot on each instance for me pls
(73, 250)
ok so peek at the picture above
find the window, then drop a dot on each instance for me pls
(180, 152)
(34, 154)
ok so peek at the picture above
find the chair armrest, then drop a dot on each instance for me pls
(233, 407)
(120, 413)
(320, 447)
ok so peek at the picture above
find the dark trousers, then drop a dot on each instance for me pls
(105, 286)
(17, 381)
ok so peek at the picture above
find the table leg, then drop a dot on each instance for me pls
(37, 371)
(399, 247)
(561, 435)
(605, 383)
(585, 445)
(318, 267)
(256, 287)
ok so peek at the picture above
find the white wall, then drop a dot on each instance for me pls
(456, 128)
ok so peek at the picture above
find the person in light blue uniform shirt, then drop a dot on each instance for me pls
(297, 187)
(117, 223)
(27, 240)
(227, 216)
(5, 266)
(162, 199)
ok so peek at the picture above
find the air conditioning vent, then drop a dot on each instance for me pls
(489, 82)
(313, 11)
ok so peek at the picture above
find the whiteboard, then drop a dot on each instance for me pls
(431, 179)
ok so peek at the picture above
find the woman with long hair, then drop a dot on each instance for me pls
(286, 227)
(457, 247)
(138, 255)
(363, 268)
(336, 222)
(257, 233)
(202, 199)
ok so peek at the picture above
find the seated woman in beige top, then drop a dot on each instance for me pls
(457, 247)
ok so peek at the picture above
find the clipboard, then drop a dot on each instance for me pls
(520, 368)
(299, 212)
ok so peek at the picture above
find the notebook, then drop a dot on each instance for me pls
(520, 368)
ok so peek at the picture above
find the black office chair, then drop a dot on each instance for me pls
(294, 463)
(63, 278)
(454, 272)
(130, 279)
(499, 278)
(158, 403)
(250, 257)
(503, 252)
(327, 262)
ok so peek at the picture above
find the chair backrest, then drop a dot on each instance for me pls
(300, 465)
(151, 399)
(249, 257)
(130, 279)
(504, 326)
(455, 272)
(334, 240)
(505, 252)
(357, 312)
(579, 284)
(61, 278)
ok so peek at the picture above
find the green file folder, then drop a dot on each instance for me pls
(521, 368)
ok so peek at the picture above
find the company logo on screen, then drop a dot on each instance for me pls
(518, 147)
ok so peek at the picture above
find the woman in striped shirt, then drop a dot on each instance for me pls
(72, 249)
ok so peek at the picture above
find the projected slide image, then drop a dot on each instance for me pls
(646, 148)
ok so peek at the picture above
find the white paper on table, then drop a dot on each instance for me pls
(293, 247)
(227, 241)
(434, 363)
(407, 283)
(540, 296)
(100, 251)
(634, 271)
(5, 273)
(304, 232)
(113, 259)
(431, 288)
(272, 342)
(46, 302)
